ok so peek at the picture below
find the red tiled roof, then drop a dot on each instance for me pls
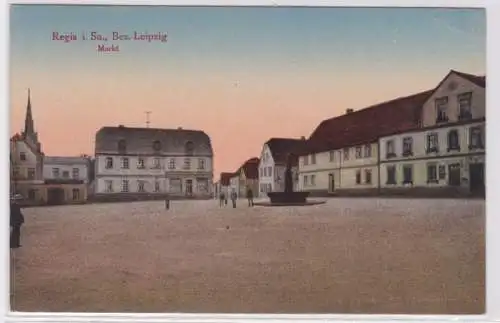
(225, 178)
(281, 147)
(251, 168)
(367, 125)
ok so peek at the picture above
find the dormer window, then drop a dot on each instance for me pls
(189, 148)
(156, 146)
(464, 106)
(122, 146)
(442, 109)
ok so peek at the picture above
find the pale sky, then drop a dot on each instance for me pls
(241, 74)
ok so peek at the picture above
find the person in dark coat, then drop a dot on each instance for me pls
(167, 202)
(234, 196)
(221, 199)
(16, 220)
(250, 196)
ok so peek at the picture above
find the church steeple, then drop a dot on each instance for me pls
(29, 128)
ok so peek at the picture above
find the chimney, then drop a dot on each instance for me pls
(347, 111)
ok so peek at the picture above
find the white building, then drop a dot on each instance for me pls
(342, 154)
(272, 164)
(234, 184)
(136, 162)
(448, 151)
(75, 168)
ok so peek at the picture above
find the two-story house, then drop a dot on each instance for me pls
(146, 162)
(342, 154)
(272, 163)
(66, 168)
(447, 150)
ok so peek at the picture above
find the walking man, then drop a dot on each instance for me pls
(250, 197)
(167, 201)
(221, 199)
(16, 220)
(234, 196)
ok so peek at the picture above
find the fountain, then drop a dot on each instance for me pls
(288, 197)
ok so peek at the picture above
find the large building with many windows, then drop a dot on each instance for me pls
(135, 162)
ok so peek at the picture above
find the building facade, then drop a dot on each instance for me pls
(342, 154)
(249, 177)
(448, 152)
(139, 162)
(76, 168)
(272, 164)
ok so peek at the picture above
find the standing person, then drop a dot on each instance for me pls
(233, 198)
(16, 220)
(250, 196)
(167, 201)
(221, 199)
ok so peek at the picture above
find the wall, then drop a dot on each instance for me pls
(421, 158)
(48, 172)
(429, 113)
(21, 167)
(343, 170)
(266, 179)
(41, 192)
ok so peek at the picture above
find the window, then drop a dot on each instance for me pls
(157, 186)
(31, 173)
(140, 163)
(109, 162)
(332, 156)
(389, 147)
(368, 151)
(140, 186)
(306, 160)
(55, 172)
(358, 177)
(156, 145)
(464, 106)
(76, 194)
(313, 159)
(368, 176)
(32, 194)
(346, 153)
(269, 171)
(15, 172)
(442, 172)
(305, 180)
(171, 163)
(432, 176)
(108, 184)
(358, 153)
(313, 180)
(124, 186)
(189, 148)
(22, 156)
(407, 146)
(391, 174)
(476, 138)
(124, 162)
(432, 142)
(201, 163)
(75, 173)
(156, 163)
(407, 174)
(453, 140)
(122, 146)
(187, 163)
(65, 174)
(441, 109)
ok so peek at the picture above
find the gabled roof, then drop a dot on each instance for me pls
(476, 79)
(225, 178)
(251, 168)
(281, 147)
(367, 125)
